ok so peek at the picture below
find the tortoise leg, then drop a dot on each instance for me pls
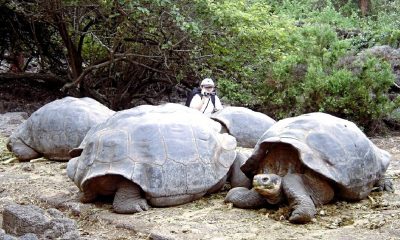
(299, 199)
(242, 197)
(128, 198)
(384, 185)
(304, 192)
(87, 196)
(236, 177)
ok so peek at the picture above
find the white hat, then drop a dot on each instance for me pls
(207, 82)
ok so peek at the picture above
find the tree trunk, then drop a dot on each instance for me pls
(74, 56)
(364, 7)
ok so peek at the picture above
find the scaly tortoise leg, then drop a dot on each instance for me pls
(242, 197)
(304, 193)
(299, 199)
(128, 198)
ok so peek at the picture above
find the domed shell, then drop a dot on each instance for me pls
(59, 126)
(168, 150)
(333, 147)
(246, 125)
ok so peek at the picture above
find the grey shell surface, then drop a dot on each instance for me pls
(333, 147)
(168, 150)
(246, 125)
(59, 126)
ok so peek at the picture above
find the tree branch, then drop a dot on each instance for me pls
(46, 77)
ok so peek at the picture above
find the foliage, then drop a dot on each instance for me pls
(5, 154)
(281, 57)
(123, 53)
(35, 39)
(243, 37)
(365, 91)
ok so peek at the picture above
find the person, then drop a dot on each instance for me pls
(203, 101)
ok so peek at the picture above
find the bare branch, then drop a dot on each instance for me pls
(87, 71)
(48, 78)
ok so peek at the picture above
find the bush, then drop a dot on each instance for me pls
(282, 57)
(358, 93)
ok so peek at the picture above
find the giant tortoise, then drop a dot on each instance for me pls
(161, 156)
(56, 128)
(308, 160)
(246, 125)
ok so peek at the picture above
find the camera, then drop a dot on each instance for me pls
(208, 94)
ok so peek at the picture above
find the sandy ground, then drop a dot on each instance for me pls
(45, 184)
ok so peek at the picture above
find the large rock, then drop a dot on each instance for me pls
(392, 55)
(20, 220)
(388, 53)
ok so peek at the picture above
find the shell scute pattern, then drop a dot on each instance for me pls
(246, 125)
(167, 150)
(114, 147)
(333, 147)
(57, 127)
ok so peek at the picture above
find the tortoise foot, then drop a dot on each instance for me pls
(133, 206)
(86, 197)
(128, 198)
(300, 217)
(242, 197)
(384, 185)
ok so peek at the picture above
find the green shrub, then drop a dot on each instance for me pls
(281, 57)
(360, 96)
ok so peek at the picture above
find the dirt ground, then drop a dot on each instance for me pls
(45, 183)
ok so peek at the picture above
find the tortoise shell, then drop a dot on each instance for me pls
(168, 150)
(57, 127)
(332, 147)
(246, 125)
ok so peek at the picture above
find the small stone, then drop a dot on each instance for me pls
(27, 167)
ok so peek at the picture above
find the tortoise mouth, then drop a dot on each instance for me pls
(267, 190)
(267, 184)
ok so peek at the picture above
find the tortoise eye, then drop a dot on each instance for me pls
(265, 179)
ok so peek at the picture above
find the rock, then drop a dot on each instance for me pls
(392, 55)
(19, 220)
(4, 236)
(388, 53)
(62, 227)
(10, 121)
(65, 201)
(7, 237)
(157, 236)
(27, 167)
(29, 220)
(29, 236)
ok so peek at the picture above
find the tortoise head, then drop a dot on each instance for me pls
(269, 186)
(10, 142)
(22, 151)
(72, 167)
